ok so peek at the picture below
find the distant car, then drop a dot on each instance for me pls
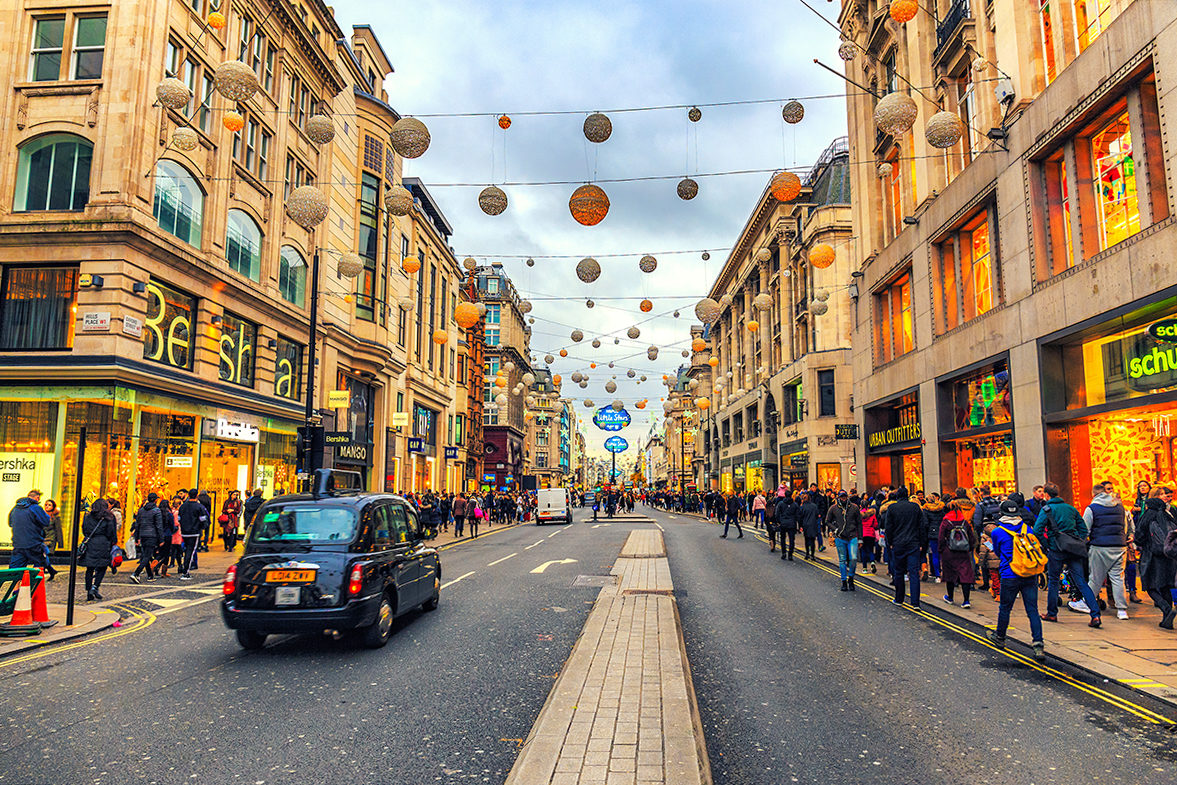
(552, 505)
(336, 559)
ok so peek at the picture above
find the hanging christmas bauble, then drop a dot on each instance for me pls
(904, 10)
(470, 263)
(398, 200)
(481, 309)
(525, 306)
(724, 302)
(582, 384)
(504, 122)
(409, 137)
(821, 295)
(588, 269)
(184, 138)
(320, 129)
(763, 255)
(687, 189)
(676, 314)
(633, 332)
(440, 336)
(762, 302)
(648, 264)
(631, 373)
(350, 265)
(707, 310)
(793, 112)
(847, 51)
(596, 343)
(530, 262)
(713, 361)
(753, 325)
(819, 308)
(233, 121)
(944, 129)
(466, 315)
(646, 306)
(652, 353)
(785, 186)
(307, 206)
(698, 345)
(411, 264)
(492, 200)
(617, 406)
(884, 170)
(694, 114)
(577, 336)
(563, 352)
(217, 21)
(822, 255)
(589, 303)
(589, 205)
(686, 353)
(597, 127)
(588, 403)
(706, 256)
(642, 379)
(702, 403)
(610, 387)
(979, 64)
(173, 93)
(235, 80)
(895, 113)
(693, 383)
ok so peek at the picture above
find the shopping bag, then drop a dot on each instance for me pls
(131, 550)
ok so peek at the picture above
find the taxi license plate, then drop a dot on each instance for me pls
(290, 576)
(287, 595)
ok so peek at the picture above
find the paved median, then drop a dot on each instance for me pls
(622, 711)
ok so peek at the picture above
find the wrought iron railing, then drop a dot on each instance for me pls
(957, 13)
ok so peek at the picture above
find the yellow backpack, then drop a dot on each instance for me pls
(1027, 558)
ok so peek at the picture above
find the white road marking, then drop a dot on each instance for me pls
(672, 517)
(455, 580)
(186, 606)
(529, 547)
(660, 525)
(547, 564)
(498, 561)
(599, 525)
(553, 534)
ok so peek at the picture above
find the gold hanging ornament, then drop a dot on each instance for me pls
(466, 315)
(588, 269)
(398, 200)
(409, 137)
(504, 122)
(236, 81)
(597, 127)
(216, 20)
(884, 170)
(785, 186)
(694, 114)
(847, 51)
(793, 112)
(648, 264)
(944, 129)
(707, 311)
(763, 255)
(307, 206)
(762, 302)
(688, 189)
(185, 139)
(440, 336)
(470, 263)
(589, 205)
(706, 256)
(698, 345)
(633, 332)
(577, 336)
(589, 303)
(320, 129)
(173, 93)
(819, 308)
(895, 113)
(350, 265)
(492, 200)
(596, 343)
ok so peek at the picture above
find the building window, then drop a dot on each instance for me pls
(243, 245)
(827, 405)
(292, 276)
(251, 147)
(369, 246)
(893, 326)
(257, 52)
(297, 174)
(402, 320)
(1103, 185)
(964, 280)
(236, 352)
(167, 330)
(288, 369)
(492, 336)
(1092, 17)
(1046, 40)
(461, 369)
(493, 313)
(541, 460)
(541, 439)
(53, 173)
(492, 285)
(301, 102)
(87, 35)
(459, 429)
(179, 202)
(38, 308)
(189, 70)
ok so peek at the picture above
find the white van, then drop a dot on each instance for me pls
(552, 506)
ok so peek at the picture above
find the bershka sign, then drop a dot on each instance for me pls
(892, 436)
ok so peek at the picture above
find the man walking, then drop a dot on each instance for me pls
(1009, 527)
(905, 530)
(1064, 534)
(146, 532)
(193, 518)
(1108, 538)
(845, 520)
(733, 513)
(251, 506)
(28, 521)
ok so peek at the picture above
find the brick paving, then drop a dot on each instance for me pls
(620, 713)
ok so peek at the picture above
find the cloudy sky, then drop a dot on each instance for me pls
(514, 57)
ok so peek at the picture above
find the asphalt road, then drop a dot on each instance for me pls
(799, 682)
(447, 700)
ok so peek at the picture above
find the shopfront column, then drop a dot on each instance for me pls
(930, 437)
(1027, 406)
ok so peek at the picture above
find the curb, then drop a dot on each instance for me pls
(102, 620)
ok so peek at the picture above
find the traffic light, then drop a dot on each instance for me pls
(309, 445)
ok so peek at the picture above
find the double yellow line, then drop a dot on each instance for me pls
(138, 620)
(1103, 695)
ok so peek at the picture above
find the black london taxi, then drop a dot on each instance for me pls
(336, 559)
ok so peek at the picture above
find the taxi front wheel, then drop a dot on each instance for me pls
(248, 639)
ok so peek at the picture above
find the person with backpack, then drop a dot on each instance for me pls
(987, 510)
(1107, 522)
(1022, 561)
(1158, 565)
(956, 541)
(100, 535)
(146, 533)
(934, 511)
(786, 519)
(1061, 529)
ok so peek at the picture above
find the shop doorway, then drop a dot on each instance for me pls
(224, 467)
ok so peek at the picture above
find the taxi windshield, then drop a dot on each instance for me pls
(305, 523)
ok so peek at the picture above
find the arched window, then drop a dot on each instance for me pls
(179, 202)
(292, 276)
(243, 245)
(53, 173)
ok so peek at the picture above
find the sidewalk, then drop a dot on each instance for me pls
(622, 711)
(85, 622)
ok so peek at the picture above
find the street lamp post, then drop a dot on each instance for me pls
(310, 453)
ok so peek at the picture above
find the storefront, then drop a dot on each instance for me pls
(357, 419)
(424, 458)
(726, 477)
(795, 463)
(894, 443)
(976, 426)
(753, 475)
(1110, 401)
(136, 443)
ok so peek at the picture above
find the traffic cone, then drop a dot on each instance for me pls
(41, 605)
(21, 623)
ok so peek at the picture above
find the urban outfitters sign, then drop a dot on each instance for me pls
(892, 436)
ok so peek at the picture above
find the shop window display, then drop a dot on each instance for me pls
(982, 400)
(986, 461)
(27, 460)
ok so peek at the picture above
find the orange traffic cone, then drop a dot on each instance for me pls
(21, 622)
(41, 605)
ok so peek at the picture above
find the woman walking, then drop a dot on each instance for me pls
(810, 520)
(758, 508)
(957, 541)
(146, 532)
(1158, 573)
(868, 551)
(101, 535)
(230, 516)
(54, 538)
(934, 512)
